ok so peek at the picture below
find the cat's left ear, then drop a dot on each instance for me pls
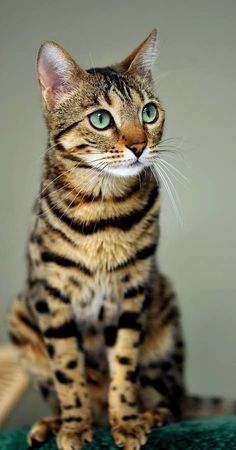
(141, 60)
(58, 73)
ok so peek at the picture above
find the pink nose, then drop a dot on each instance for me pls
(137, 148)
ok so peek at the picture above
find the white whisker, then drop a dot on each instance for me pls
(163, 161)
(174, 199)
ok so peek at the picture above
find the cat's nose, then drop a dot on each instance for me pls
(137, 148)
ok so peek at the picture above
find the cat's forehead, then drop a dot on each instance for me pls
(119, 92)
(113, 85)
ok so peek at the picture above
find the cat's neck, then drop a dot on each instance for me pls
(89, 181)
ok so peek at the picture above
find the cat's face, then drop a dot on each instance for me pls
(109, 119)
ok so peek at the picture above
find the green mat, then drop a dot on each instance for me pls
(215, 434)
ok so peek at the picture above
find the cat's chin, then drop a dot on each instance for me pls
(125, 171)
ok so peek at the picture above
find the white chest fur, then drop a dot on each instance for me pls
(99, 303)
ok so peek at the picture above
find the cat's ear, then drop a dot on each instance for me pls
(57, 72)
(142, 58)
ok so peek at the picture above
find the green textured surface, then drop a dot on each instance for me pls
(208, 434)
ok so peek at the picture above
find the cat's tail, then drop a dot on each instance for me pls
(199, 407)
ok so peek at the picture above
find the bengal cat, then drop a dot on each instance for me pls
(98, 326)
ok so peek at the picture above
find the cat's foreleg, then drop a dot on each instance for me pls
(64, 344)
(129, 429)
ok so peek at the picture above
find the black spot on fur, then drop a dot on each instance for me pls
(133, 291)
(124, 360)
(44, 391)
(130, 417)
(78, 402)
(129, 319)
(110, 334)
(62, 377)
(101, 314)
(42, 307)
(132, 375)
(72, 364)
(146, 302)
(122, 398)
(51, 350)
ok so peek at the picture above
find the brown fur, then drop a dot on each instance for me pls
(98, 324)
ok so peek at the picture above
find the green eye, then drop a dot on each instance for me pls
(150, 113)
(101, 119)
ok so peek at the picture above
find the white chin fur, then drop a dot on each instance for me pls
(125, 171)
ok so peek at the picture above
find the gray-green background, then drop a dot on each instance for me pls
(197, 84)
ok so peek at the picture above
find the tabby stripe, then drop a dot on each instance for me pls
(56, 293)
(146, 303)
(53, 291)
(81, 165)
(118, 93)
(133, 291)
(107, 98)
(66, 330)
(129, 319)
(147, 251)
(135, 188)
(48, 257)
(123, 222)
(82, 146)
(139, 91)
(141, 254)
(70, 127)
(27, 322)
(128, 92)
(55, 230)
(166, 302)
(15, 340)
(172, 315)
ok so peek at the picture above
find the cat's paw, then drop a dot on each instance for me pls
(42, 430)
(159, 417)
(74, 438)
(129, 432)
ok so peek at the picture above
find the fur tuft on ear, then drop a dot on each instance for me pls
(141, 60)
(57, 72)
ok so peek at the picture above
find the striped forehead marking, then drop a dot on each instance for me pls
(115, 81)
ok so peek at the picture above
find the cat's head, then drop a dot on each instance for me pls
(108, 118)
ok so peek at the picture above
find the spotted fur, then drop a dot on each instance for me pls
(98, 326)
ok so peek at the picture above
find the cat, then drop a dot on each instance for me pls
(98, 326)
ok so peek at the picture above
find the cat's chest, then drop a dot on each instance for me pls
(99, 302)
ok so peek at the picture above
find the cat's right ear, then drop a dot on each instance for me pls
(58, 73)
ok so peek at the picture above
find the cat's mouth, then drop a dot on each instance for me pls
(135, 163)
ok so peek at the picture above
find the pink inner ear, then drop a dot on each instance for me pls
(49, 79)
(53, 72)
